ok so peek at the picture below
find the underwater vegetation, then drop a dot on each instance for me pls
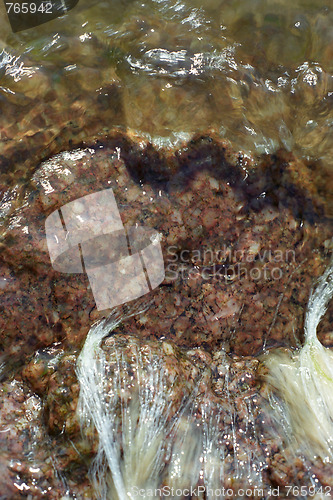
(302, 381)
(177, 383)
(158, 429)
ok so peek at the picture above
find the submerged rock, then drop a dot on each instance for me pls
(241, 245)
(243, 239)
(173, 418)
(242, 242)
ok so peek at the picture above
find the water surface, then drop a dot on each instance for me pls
(259, 72)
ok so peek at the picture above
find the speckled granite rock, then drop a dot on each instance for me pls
(30, 462)
(242, 245)
(222, 397)
(242, 240)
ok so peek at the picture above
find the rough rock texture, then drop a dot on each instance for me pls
(225, 402)
(242, 245)
(31, 462)
(243, 238)
(243, 242)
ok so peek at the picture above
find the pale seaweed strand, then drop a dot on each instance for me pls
(304, 381)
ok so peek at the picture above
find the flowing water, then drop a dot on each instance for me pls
(112, 407)
(257, 72)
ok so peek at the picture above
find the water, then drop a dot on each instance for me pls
(153, 439)
(259, 73)
(158, 431)
(305, 380)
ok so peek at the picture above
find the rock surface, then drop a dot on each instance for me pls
(243, 242)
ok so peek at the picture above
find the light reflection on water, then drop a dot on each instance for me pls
(259, 73)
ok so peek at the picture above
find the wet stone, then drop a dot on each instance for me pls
(241, 253)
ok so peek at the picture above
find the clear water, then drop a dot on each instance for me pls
(257, 72)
